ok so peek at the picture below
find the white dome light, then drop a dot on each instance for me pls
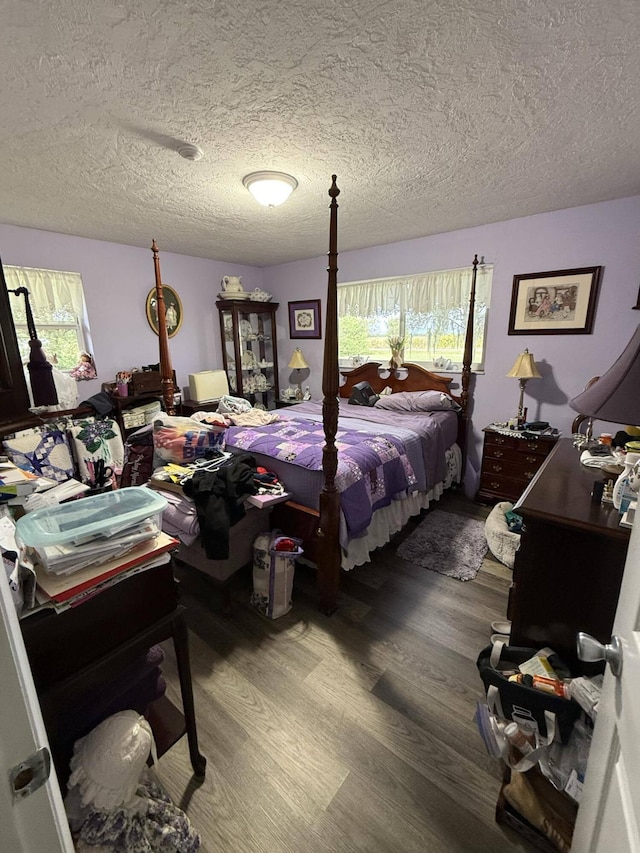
(270, 188)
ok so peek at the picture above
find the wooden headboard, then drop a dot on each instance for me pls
(417, 379)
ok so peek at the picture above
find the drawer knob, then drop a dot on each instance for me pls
(531, 459)
(532, 445)
(529, 474)
(495, 485)
(499, 454)
(497, 468)
(499, 440)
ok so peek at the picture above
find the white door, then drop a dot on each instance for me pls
(36, 823)
(609, 813)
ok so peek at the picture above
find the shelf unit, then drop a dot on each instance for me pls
(249, 350)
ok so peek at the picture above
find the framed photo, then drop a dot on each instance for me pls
(173, 310)
(304, 319)
(561, 302)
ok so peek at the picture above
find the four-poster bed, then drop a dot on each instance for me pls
(319, 519)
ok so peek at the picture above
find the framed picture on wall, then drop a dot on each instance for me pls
(304, 319)
(560, 302)
(173, 310)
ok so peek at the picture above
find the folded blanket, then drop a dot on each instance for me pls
(255, 417)
(180, 518)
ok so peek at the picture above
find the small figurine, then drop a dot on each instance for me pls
(85, 368)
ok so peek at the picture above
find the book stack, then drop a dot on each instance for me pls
(81, 548)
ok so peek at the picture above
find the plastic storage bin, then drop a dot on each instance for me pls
(99, 516)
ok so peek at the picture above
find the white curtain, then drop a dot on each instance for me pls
(424, 293)
(51, 291)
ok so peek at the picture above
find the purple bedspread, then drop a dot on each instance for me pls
(380, 457)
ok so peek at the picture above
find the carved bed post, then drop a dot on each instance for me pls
(329, 528)
(467, 359)
(166, 370)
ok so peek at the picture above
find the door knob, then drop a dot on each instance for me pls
(590, 650)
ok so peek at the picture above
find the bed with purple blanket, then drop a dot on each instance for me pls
(392, 460)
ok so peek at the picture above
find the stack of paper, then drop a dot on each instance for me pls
(67, 559)
(15, 483)
(81, 547)
(55, 494)
(72, 589)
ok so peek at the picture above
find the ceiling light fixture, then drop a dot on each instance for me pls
(270, 188)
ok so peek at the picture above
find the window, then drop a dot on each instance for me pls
(428, 311)
(59, 312)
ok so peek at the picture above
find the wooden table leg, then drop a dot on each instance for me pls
(181, 644)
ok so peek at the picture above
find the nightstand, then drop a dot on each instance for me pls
(509, 463)
(191, 406)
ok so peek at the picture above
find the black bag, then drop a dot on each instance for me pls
(520, 703)
(362, 394)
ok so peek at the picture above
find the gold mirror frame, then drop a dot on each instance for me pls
(172, 304)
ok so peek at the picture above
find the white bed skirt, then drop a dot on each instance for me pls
(390, 519)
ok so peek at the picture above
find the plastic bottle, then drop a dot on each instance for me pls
(539, 682)
(518, 738)
(618, 489)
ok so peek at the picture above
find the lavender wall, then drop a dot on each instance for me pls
(605, 234)
(116, 281)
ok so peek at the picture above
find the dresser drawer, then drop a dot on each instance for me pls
(501, 487)
(497, 441)
(509, 463)
(522, 467)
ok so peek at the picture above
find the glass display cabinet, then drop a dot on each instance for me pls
(249, 349)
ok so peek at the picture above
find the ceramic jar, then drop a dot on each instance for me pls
(259, 295)
(232, 284)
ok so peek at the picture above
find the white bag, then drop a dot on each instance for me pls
(273, 572)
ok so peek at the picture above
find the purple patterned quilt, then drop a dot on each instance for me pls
(373, 468)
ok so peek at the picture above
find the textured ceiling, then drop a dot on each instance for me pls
(435, 114)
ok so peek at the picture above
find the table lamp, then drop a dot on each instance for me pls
(524, 369)
(298, 363)
(614, 396)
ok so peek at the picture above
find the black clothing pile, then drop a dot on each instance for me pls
(219, 498)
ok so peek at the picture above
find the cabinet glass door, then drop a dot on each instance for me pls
(250, 351)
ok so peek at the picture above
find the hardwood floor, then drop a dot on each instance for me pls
(346, 733)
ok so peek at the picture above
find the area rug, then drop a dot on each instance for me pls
(450, 544)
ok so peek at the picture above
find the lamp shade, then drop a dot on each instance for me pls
(615, 396)
(270, 188)
(524, 367)
(297, 360)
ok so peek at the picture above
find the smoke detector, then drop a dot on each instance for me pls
(190, 152)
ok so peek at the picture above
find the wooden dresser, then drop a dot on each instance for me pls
(569, 566)
(509, 463)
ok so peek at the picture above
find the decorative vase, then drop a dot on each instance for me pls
(396, 359)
